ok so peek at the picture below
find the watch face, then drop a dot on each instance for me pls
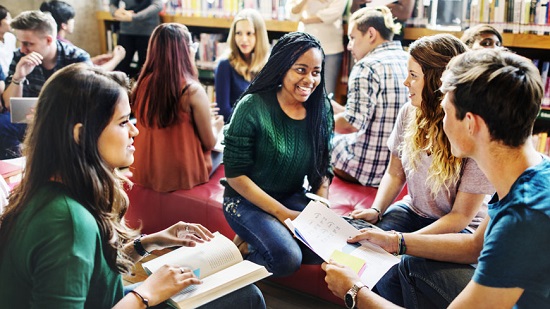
(348, 299)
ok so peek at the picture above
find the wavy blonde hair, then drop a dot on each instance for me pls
(425, 133)
(248, 69)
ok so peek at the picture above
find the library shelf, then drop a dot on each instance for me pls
(512, 40)
(104, 17)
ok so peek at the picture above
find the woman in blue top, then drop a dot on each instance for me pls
(247, 52)
(63, 236)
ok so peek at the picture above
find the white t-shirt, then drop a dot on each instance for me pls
(4, 192)
(6, 51)
(330, 31)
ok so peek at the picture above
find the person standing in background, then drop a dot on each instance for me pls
(138, 19)
(246, 55)
(7, 40)
(64, 15)
(323, 20)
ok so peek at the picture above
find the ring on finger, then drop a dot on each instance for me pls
(187, 228)
(182, 270)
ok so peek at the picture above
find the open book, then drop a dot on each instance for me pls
(326, 233)
(218, 263)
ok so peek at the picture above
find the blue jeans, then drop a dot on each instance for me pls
(271, 244)
(401, 218)
(11, 136)
(422, 283)
(248, 297)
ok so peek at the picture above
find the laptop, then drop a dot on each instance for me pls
(20, 108)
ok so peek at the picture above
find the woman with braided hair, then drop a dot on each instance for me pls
(278, 135)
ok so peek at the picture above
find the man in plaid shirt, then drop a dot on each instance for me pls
(40, 55)
(375, 94)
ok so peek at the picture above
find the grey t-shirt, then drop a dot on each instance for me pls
(419, 197)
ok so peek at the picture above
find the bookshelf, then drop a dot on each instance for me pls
(511, 40)
(212, 24)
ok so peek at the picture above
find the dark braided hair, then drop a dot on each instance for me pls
(283, 55)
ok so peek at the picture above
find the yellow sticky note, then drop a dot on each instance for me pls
(355, 263)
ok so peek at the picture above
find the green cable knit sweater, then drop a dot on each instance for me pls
(266, 145)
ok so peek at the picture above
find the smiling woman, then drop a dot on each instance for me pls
(246, 54)
(66, 215)
(278, 135)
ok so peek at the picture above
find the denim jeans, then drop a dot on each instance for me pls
(401, 218)
(271, 244)
(249, 297)
(11, 136)
(422, 283)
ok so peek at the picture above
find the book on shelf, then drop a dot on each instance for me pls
(217, 263)
(515, 16)
(541, 142)
(326, 233)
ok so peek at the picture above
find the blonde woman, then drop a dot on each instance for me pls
(247, 53)
(446, 194)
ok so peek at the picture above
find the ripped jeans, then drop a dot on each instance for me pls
(270, 242)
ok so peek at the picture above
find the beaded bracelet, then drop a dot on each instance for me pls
(402, 246)
(138, 246)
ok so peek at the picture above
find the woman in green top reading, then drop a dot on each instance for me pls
(278, 135)
(63, 237)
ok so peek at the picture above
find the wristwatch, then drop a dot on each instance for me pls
(351, 296)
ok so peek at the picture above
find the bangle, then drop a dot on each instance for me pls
(144, 300)
(138, 246)
(403, 248)
(379, 214)
(18, 82)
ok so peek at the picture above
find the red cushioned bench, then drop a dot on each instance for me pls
(154, 211)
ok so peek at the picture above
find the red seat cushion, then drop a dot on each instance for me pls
(154, 211)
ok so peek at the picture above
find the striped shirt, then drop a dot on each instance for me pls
(66, 54)
(375, 95)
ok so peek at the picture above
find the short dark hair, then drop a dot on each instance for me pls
(503, 88)
(473, 33)
(61, 11)
(3, 12)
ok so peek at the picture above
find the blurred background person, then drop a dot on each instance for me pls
(323, 20)
(247, 53)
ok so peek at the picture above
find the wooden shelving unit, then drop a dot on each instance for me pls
(510, 40)
(204, 22)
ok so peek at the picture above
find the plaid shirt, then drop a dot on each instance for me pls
(66, 54)
(375, 95)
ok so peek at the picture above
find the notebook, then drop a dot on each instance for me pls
(20, 108)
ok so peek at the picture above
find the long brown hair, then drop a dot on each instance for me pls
(425, 133)
(168, 68)
(76, 94)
